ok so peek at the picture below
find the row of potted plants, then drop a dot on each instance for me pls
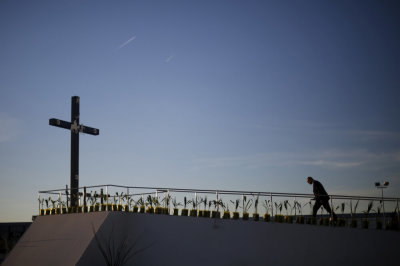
(157, 206)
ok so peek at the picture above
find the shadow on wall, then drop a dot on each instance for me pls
(115, 245)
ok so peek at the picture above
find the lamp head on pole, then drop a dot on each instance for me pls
(384, 185)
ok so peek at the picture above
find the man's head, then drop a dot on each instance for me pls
(310, 180)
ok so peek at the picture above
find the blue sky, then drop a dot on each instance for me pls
(241, 95)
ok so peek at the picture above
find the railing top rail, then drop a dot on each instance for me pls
(227, 192)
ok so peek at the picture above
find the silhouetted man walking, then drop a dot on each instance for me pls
(321, 197)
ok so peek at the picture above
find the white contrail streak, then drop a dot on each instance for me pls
(126, 43)
(169, 58)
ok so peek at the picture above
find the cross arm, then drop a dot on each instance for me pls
(59, 123)
(89, 130)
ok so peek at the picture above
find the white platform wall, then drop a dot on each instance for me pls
(169, 240)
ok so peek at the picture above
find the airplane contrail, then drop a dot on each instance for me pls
(169, 58)
(128, 41)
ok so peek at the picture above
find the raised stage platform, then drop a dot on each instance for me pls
(151, 239)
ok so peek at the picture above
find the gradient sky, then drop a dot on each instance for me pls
(241, 95)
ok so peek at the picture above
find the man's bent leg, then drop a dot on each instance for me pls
(316, 207)
(329, 210)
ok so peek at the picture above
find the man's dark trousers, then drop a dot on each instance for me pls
(324, 203)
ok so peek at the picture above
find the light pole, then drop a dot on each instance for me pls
(379, 186)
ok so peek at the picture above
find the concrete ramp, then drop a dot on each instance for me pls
(150, 239)
(56, 239)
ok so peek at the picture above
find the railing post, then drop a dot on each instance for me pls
(398, 211)
(217, 202)
(59, 201)
(243, 203)
(168, 200)
(84, 198)
(332, 209)
(165, 199)
(384, 214)
(351, 211)
(79, 198)
(272, 207)
(107, 195)
(195, 198)
(66, 194)
(39, 202)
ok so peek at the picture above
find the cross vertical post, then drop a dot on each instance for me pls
(74, 151)
(75, 128)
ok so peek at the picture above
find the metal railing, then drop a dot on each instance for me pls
(286, 202)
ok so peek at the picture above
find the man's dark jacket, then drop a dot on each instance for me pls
(319, 191)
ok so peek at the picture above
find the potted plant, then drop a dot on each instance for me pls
(85, 208)
(184, 211)
(63, 207)
(256, 216)
(227, 213)
(278, 217)
(53, 206)
(59, 206)
(246, 206)
(92, 201)
(128, 201)
(116, 202)
(48, 211)
(300, 217)
(72, 209)
(365, 221)
(288, 218)
(41, 202)
(267, 206)
(203, 213)
(140, 203)
(176, 204)
(108, 206)
(378, 221)
(166, 200)
(215, 213)
(103, 205)
(121, 200)
(393, 222)
(235, 214)
(130, 204)
(149, 203)
(157, 205)
(353, 221)
(341, 221)
(96, 204)
(133, 205)
(207, 212)
(310, 219)
(324, 221)
(195, 202)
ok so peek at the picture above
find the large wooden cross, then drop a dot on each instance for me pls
(75, 128)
